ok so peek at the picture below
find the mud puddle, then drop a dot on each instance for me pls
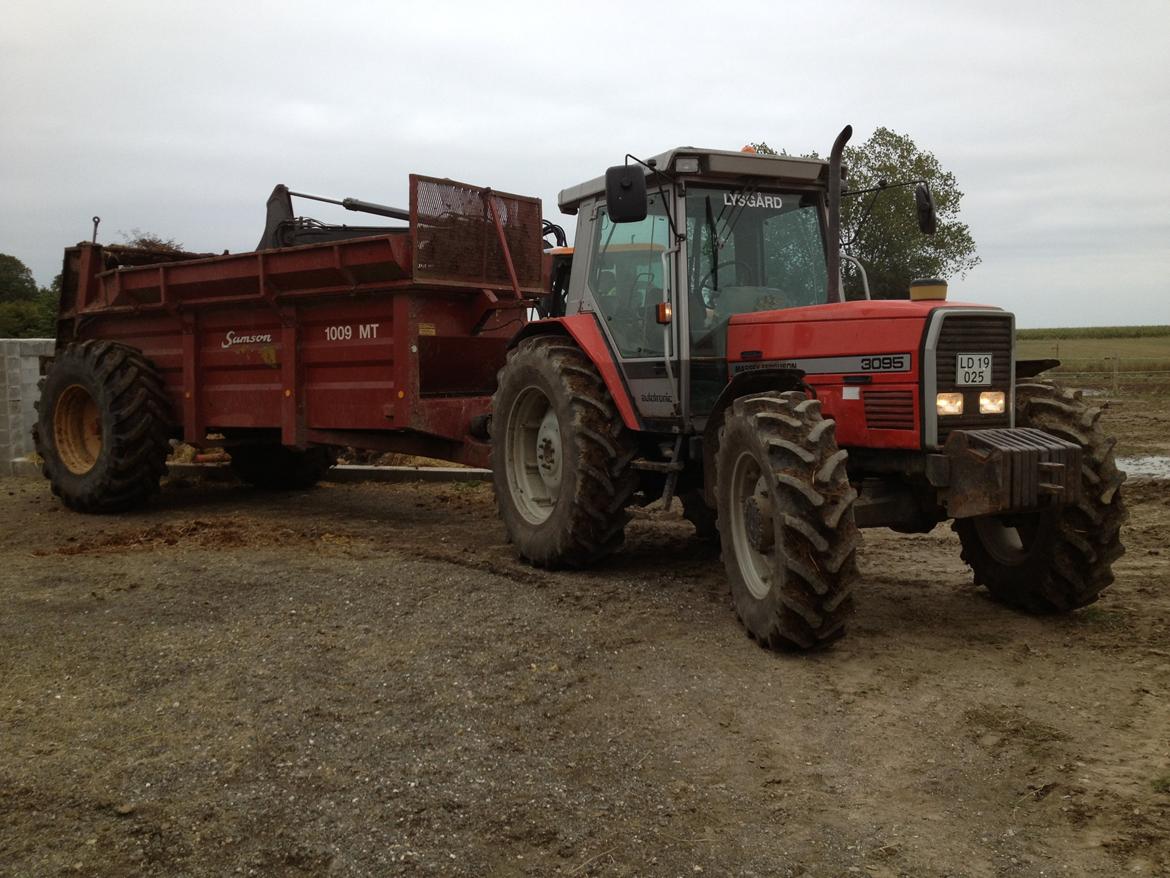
(1153, 467)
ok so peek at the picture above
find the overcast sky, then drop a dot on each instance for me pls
(178, 118)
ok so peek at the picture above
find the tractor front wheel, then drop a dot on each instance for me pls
(103, 427)
(560, 456)
(1054, 560)
(786, 521)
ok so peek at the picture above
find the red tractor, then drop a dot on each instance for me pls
(701, 345)
(696, 343)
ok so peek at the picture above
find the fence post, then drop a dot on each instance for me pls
(1116, 377)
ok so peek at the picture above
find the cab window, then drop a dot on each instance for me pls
(750, 250)
(626, 278)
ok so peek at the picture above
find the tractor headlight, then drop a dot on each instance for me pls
(949, 403)
(992, 402)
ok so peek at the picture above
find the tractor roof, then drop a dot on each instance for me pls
(732, 165)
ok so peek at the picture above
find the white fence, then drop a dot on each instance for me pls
(1115, 371)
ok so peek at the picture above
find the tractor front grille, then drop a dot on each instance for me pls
(972, 334)
(889, 409)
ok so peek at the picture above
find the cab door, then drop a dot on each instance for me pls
(631, 269)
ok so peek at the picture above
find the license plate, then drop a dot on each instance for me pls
(972, 369)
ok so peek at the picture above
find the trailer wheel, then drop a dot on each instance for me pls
(280, 468)
(1054, 560)
(103, 425)
(560, 456)
(786, 522)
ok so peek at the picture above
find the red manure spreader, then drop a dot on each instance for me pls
(695, 342)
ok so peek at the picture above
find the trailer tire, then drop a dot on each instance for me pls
(560, 456)
(280, 468)
(786, 521)
(103, 427)
(1055, 560)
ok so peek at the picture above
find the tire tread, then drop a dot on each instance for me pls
(138, 445)
(820, 537)
(597, 512)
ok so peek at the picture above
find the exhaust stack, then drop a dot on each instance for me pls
(834, 242)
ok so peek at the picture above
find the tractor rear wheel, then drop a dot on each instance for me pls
(786, 521)
(1054, 560)
(280, 468)
(560, 456)
(103, 427)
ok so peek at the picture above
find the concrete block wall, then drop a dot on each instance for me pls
(20, 373)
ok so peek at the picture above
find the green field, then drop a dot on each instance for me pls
(1095, 332)
(1151, 348)
(1140, 355)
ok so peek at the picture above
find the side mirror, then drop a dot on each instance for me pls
(625, 193)
(924, 203)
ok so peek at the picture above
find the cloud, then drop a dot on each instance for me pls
(180, 118)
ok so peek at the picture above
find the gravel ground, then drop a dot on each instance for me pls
(360, 680)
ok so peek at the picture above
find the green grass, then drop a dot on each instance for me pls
(1162, 784)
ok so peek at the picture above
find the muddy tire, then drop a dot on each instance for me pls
(786, 524)
(279, 468)
(702, 516)
(1055, 560)
(560, 456)
(103, 427)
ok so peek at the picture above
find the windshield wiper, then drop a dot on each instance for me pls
(737, 212)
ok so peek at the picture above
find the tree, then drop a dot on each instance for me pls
(25, 320)
(881, 230)
(48, 301)
(26, 311)
(16, 281)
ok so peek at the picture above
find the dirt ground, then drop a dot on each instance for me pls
(361, 680)
(1141, 423)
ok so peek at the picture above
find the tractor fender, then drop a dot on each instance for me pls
(586, 332)
(743, 384)
(1032, 368)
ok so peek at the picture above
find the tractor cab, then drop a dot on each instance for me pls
(704, 350)
(721, 234)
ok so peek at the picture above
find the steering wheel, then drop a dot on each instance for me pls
(741, 269)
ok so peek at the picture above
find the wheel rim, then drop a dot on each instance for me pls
(751, 525)
(1009, 544)
(77, 429)
(534, 455)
